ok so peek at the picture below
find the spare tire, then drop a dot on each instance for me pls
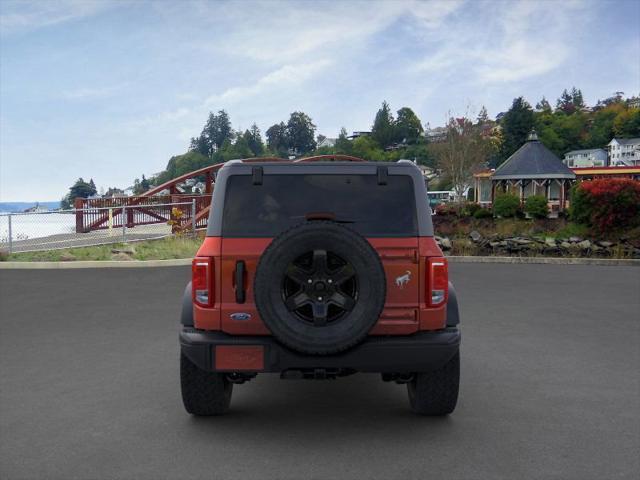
(320, 287)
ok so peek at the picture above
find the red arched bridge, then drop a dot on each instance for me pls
(165, 204)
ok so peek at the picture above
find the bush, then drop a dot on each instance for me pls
(536, 206)
(607, 204)
(506, 205)
(469, 209)
(483, 213)
(447, 209)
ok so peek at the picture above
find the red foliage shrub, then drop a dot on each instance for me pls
(607, 204)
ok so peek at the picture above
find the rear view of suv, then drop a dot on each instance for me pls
(314, 270)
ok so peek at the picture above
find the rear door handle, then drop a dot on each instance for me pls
(239, 278)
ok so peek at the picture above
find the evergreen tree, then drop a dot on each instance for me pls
(216, 131)
(483, 116)
(517, 123)
(576, 99)
(382, 130)
(254, 140)
(343, 144)
(565, 103)
(80, 189)
(543, 106)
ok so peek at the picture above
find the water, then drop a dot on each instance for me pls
(29, 226)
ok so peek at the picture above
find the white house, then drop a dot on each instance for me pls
(327, 142)
(594, 157)
(624, 152)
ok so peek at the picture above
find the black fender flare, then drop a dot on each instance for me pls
(453, 313)
(186, 315)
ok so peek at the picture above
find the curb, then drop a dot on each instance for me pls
(180, 262)
(612, 262)
(177, 262)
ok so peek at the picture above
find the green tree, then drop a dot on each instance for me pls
(277, 139)
(80, 189)
(483, 116)
(627, 124)
(565, 103)
(408, 126)
(301, 133)
(367, 148)
(517, 123)
(544, 106)
(343, 144)
(254, 140)
(216, 131)
(383, 130)
(601, 131)
(577, 99)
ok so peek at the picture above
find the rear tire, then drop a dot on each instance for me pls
(436, 393)
(203, 393)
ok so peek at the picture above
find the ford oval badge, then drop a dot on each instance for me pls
(240, 316)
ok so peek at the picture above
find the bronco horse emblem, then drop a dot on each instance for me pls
(402, 280)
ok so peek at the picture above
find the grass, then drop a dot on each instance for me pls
(162, 249)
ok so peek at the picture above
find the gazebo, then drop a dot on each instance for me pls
(532, 170)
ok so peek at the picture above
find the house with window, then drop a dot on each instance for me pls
(532, 170)
(624, 152)
(593, 157)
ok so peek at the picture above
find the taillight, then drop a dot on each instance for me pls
(202, 281)
(437, 281)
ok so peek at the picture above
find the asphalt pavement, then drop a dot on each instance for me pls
(550, 387)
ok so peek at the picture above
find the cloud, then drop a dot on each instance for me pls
(526, 40)
(21, 16)
(285, 77)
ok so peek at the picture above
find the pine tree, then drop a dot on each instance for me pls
(382, 130)
(565, 103)
(483, 116)
(517, 123)
(543, 106)
(343, 144)
(576, 99)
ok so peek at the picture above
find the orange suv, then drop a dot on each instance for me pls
(318, 270)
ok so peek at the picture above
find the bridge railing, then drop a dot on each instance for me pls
(102, 213)
(150, 207)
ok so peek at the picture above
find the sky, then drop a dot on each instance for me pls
(110, 90)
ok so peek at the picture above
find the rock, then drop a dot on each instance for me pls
(475, 236)
(445, 243)
(67, 257)
(566, 245)
(522, 241)
(575, 239)
(494, 244)
(121, 257)
(605, 244)
(550, 241)
(586, 244)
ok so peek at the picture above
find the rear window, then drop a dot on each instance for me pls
(283, 201)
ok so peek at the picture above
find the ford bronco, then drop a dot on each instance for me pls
(318, 270)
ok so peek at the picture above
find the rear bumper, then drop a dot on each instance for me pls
(424, 351)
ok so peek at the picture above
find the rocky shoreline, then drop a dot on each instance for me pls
(476, 244)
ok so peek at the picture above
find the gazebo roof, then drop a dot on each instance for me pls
(532, 160)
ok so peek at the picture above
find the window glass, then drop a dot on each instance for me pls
(282, 201)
